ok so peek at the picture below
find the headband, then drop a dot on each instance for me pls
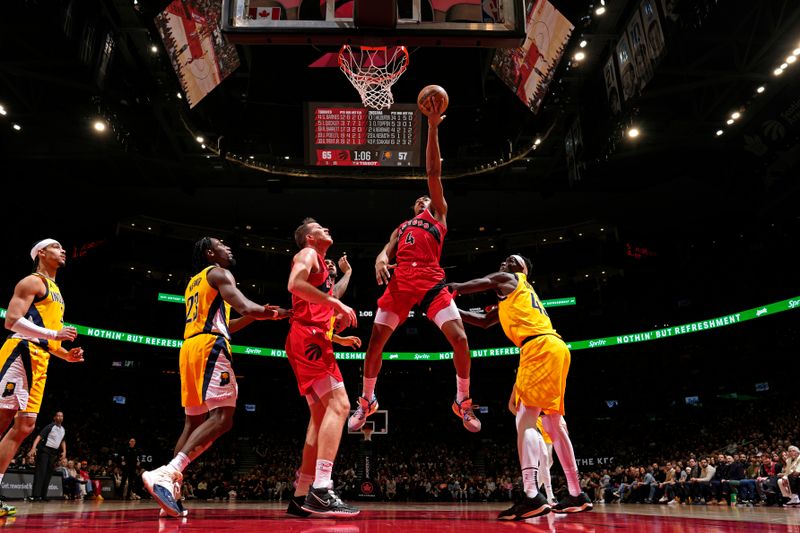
(41, 245)
(521, 262)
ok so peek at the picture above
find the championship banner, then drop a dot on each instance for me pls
(529, 69)
(641, 55)
(653, 31)
(627, 69)
(612, 85)
(200, 54)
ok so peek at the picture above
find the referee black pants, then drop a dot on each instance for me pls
(45, 459)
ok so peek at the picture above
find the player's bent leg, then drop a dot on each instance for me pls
(462, 406)
(367, 403)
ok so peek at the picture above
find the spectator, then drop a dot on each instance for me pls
(47, 448)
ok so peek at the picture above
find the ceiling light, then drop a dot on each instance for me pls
(583, 44)
(17, 127)
(154, 49)
(796, 52)
(99, 125)
(719, 132)
(777, 71)
(199, 139)
(600, 10)
(791, 59)
(784, 66)
(286, 157)
(633, 133)
(735, 115)
(252, 157)
(203, 146)
(180, 96)
(580, 56)
(537, 142)
(729, 121)
(3, 110)
(760, 89)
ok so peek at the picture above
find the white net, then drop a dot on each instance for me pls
(373, 71)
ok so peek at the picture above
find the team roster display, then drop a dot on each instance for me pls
(346, 134)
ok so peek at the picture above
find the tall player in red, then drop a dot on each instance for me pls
(310, 353)
(418, 280)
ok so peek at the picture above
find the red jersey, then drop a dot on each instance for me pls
(419, 241)
(314, 314)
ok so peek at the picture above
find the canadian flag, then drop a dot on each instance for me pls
(268, 13)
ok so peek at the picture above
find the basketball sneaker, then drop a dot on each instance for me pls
(527, 508)
(463, 410)
(364, 409)
(296, 506)
(184, 512)
(325, 502)
(7, 510)
(573, 504)
(160, 483)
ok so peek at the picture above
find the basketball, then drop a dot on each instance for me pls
(432, 99)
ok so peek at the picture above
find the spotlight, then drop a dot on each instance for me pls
(796, 52)
(600, 10)
(760, 89)
(203, 146)
(154, 49)
(180, 96)
(580, 56)
(583, 44)
(3, 111)
(735, 115)
(791, 59)
(252, 157)
(719, 132)
(633, 133)
(784, 66)
(729, 121)
(537, 142)
(17, 127)
(777, 71)
(200, 139)
(286, 157)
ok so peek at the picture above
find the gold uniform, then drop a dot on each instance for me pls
(543, 357)
(24, 360)
(205, 359)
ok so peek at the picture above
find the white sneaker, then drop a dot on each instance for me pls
(364, 409)
(160, 483)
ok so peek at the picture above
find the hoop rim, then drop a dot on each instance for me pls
(347, 70)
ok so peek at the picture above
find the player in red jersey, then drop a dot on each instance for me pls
(309, 349)
(418, 280)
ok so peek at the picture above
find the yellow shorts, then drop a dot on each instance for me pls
(542, 374)
(23, 373)
(207, 378)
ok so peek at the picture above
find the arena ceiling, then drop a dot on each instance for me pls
(677, 176)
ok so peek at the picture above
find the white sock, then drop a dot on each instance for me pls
(462, 389)
(180, 462)
(1, 477)
(323, 477)
(302, 482)
(530, 481)
(545, 460)
(369, 387)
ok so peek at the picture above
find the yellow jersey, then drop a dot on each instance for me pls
(206, 311)
(522, 315)
(46, 312)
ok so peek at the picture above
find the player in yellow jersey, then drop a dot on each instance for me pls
(540, 384)
(208, 383)
(545, 452)
(36, 316)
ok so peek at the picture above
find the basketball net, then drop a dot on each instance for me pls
(373, 70)
(367, 431)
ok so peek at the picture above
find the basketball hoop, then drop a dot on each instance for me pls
(373, 70)
(367, 431)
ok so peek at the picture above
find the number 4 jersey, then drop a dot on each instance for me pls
(419, 241)
(206, 311)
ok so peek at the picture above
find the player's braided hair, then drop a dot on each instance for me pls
(199, 259)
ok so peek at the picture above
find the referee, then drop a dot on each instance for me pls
(46, 450)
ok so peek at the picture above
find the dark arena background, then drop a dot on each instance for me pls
(649, 167)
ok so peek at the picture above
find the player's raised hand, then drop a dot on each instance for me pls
(434, 120)
(345, 318)
(344, 266)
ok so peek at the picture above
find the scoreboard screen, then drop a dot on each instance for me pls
(348, 135)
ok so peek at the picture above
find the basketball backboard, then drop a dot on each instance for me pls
(378, 422)
(475, 23)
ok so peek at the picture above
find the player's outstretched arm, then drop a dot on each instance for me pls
(300, 287)
(478, 319)
(222, 280)
(433, 166)
(352, 341)
(279, 313)
(497, 281)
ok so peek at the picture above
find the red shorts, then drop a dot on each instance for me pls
(310, 353)
(422, 286)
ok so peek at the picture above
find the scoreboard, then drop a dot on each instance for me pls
(346, 134)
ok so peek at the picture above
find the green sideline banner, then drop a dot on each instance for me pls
(627, 338)
(558, 302)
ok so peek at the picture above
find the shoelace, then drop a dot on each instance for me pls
(335, 497)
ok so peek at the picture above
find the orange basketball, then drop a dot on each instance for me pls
(432, 100)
